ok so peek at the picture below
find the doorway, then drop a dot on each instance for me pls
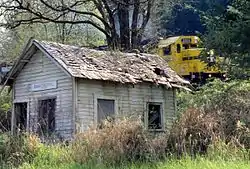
(21, 113)
(46, 116)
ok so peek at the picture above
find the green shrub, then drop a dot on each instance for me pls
(50, 155)
(5, 113)
(231, 151)
(14, 150)
(228, 103)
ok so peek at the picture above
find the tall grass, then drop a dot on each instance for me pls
(119, 141)
(212, 133)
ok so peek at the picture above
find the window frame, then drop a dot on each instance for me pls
(96, 97)
(162, 110)
(169, 50)
(14, 115)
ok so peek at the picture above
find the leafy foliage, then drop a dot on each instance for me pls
(5, 112)
(122, 22)
(14, 150)
(228, 34)
(186, 17)
(227, 103)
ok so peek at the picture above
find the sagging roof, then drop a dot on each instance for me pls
(102, 65)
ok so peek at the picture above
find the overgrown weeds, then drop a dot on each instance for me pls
(213, 126)
(14, 150)
(193, 133)
(119, 141)
(5, 113)
(225, 104)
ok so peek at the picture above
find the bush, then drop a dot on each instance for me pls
(193, 132)
(14, 150)
(220, 150)
(5, 113)
(122, 140)
(50, 156)
(219, 110)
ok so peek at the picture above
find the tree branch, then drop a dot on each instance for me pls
(38, 16)
(70, 9)
(147, 15)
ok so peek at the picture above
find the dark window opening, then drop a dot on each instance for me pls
(46, 116)
(155, 116)
(193, 46)
(178, 48)
(21, 116)
(167, 50)
(185, 46)
(105, 109)
(197, 57)
(187, 58)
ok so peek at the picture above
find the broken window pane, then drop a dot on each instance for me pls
(155, 116)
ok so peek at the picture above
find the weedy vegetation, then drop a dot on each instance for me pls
(211, 132)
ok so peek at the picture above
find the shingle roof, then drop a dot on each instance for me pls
(111, 66)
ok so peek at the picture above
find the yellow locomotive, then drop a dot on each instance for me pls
(184, 56)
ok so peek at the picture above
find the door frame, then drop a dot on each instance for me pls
(13, 115)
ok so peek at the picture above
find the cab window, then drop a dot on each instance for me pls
(185, 46)
(167, 50)
(194, 46)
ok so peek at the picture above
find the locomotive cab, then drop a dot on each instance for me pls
(183, 55)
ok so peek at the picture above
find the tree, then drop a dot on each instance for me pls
(228, 33)
(187, 17)
(121, 21)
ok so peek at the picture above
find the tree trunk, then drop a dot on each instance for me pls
(134, 26)
(123, 15)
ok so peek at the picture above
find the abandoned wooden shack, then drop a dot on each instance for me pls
(64, 89)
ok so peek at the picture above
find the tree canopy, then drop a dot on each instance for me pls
(187, 17)
(121, 21)
(228, 33)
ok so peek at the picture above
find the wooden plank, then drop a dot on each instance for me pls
(47, 72)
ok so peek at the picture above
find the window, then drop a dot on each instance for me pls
(185, 46)
(154, 118)
(105, 109)
(167, 50)
(194, 46)
(178, 48)
(186, 40)
(46, 116)
(185, 58)
(21, 116)
(197, 57)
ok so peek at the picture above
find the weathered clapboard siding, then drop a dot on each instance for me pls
(38, 70)
(130, 100)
